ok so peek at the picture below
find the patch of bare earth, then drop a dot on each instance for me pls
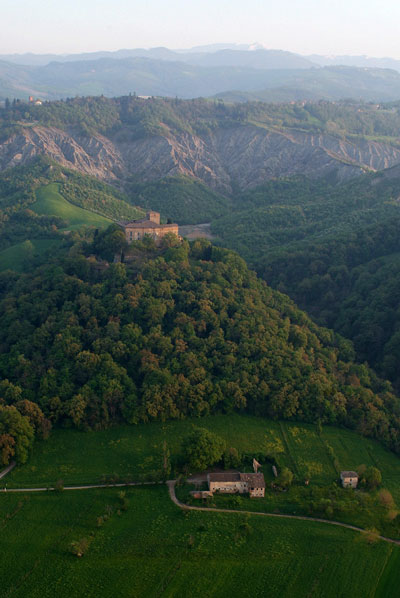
(196, 231)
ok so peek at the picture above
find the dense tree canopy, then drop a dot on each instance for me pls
(176, 331)
(202, 448)
(334, 250)
(16, 435)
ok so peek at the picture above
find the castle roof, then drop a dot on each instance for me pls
(145, 223)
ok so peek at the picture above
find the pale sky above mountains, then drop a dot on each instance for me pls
(303, 26)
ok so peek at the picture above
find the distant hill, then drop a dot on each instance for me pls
(329, 83)
(269, 75)
(359, 61)
(254, 56)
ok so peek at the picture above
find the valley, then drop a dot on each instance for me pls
(111, 354)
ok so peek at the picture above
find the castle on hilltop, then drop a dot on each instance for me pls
(137, 229)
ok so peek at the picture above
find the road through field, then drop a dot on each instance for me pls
(171, 487)
(87, 487)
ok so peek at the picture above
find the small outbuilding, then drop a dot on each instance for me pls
(349, 479)
(201, 494)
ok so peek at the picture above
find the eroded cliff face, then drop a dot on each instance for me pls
(241, 157)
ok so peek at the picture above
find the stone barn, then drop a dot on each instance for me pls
(237, 483)
(349, 479)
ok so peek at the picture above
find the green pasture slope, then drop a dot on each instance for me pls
(154, 549)
(14, 257)
(135, 452)
(51, 203)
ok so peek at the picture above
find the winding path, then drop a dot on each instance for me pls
(7, 469)
(171, 487)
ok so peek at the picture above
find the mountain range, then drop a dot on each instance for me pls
(254, 55)
(239, 72)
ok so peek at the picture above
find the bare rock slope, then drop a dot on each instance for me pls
(242, 156)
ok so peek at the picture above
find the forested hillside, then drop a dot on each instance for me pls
(134, 117)
(175, 331)
(184, 199)
(334, 250)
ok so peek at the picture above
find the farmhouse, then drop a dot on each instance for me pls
(237, 483)
(349, 479)
(137, 229)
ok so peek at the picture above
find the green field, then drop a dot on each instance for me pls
(153, 549)
(14, 257)
(51, 203)
(136, 451)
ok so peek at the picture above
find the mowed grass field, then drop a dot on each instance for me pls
(137, 451)
(14, 257)
(154, 549)
(51, 203)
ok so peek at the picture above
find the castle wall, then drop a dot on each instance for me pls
(136, 233)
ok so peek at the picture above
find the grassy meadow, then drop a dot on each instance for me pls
(51, 203)
(154, 549)
(135, 452)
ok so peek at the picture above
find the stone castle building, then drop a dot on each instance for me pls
(137, 229)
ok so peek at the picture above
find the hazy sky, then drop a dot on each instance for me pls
(304, 26)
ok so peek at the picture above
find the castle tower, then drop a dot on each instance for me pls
(153, 217)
